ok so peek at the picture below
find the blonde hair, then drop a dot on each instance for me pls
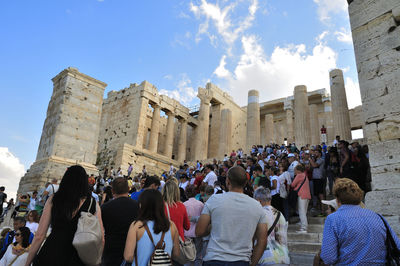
(347, 191)
(170, 192)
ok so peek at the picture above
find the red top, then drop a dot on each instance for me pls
(304, 191)
(323, 130)
(179, 216)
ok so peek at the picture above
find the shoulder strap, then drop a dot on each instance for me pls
(149, 234)
(16, 257)
(166, 206)
(389, 237)
(274, 224)
(302, 183)
(160, 243)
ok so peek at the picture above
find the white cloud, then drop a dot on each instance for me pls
(168, 77)
(352, 92)
(184, 93)
(11, 170)
(344, 35)
(276, 75)
(328, 7)
(221, 18)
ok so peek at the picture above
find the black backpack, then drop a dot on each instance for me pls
(265, 182)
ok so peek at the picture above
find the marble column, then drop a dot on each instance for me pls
(225, 133)
(253, 120)
(314, 125)
(215, 125)
(182, 141)
(289, 125)
(169, 140)
(201, 139)
(340, 110)
(155, 128)
(302, 116)
(269, 129)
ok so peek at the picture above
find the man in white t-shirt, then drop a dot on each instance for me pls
(211, 177)
(32, 203)
(293, 163)
(231, 220)
(51, 189)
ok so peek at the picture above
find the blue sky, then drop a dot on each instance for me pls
(176, 45)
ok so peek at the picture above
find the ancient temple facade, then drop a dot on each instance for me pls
(137, 125)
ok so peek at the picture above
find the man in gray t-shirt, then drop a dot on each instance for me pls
(232, 219)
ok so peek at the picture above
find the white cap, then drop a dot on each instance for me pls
(332, 203)
(290, 155)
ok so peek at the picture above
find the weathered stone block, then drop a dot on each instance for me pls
(381, 107)
(384, 153)
(385, 202)
(386, 177)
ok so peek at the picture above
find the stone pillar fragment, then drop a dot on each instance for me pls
(314, 125)
(225, 133)
(302, 116)
(253, 119)
(269, 129)
(182, 141)
(169, 140)
(340, 110)
(155, 128)
(215, 125)
(201, 139)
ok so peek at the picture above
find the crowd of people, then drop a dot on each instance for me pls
(233, 211)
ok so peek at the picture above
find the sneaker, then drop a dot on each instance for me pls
(303, 231)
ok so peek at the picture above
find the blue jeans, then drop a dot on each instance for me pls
(225, 263)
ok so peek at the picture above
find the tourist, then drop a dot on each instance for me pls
(23, 205)
(150, 182)
(152, 216)
(344, 159)
(260, 179)
(277, 251)
(17, 252)
(193, 208)
(32, 203)
(18, 223)
(62, 211)
(52, 188)
(117, 216)
(130, 169)
(3, 198)
(361, 167)
(107, 194)
(318, 177)
(277, 201)
(32, 221)
(292, 164)
(284, 184)
(3, 234)
(332, 167)
(301, 184)
(353, 235)
(232, 241)
(10, 205)
(211, 177)
(174, 208)
(183, 181)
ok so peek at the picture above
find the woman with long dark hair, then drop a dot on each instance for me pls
(17, 252)
(152, 215)
(62, 211)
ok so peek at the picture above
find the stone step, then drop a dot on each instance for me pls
(301, 259)
(304, 247)
(312, 228)
(310, 219)
(302, 237)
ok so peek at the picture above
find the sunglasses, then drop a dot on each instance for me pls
(18, 234)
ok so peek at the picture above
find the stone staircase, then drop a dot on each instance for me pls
(304, 246)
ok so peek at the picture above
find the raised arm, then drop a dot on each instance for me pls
(41, 233)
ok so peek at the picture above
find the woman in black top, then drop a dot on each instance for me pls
(62, 211)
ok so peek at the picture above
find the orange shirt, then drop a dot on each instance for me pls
(304, 192)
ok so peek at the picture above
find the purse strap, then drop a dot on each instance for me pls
(297, 190)
(166, 206)
(389, 237)
(274, 224)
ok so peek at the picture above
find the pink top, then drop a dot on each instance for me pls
(193, 208)
(304, 192)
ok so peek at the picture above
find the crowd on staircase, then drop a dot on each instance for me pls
(233, 211)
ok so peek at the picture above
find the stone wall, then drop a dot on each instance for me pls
(376, 37)
(70, 131)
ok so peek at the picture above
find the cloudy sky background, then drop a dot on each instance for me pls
(268, 45)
